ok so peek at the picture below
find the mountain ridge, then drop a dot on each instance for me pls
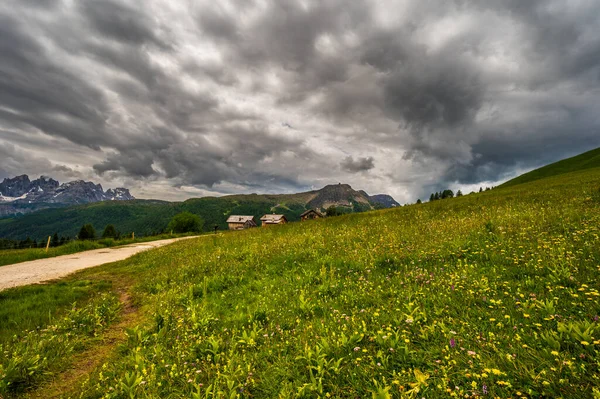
(21, 195)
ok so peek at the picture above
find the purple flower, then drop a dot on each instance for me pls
(452, 343)
(485, 390)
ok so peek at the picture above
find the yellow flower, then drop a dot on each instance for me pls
(555, 353)
(585, 343)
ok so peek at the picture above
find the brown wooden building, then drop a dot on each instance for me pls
(238, 222)
(310, 214)
(270, 220)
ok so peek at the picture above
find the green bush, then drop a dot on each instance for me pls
(185, 222)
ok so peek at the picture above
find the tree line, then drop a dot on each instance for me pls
(184, 222)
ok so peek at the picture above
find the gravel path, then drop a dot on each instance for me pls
(37, 271)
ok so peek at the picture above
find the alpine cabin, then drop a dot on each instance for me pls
(238, 222)
(310, 214)
(270, 220)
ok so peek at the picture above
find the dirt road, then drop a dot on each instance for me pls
(37, 271)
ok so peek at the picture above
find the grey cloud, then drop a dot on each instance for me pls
(13, 159)
(133, 163)
(351, 165)
(121, 22)
(474, 88)
(40, 93)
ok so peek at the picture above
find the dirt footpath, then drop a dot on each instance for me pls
(37, 271)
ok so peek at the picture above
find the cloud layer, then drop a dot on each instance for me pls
(181, 98)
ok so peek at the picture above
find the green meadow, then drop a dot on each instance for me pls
(494, 294)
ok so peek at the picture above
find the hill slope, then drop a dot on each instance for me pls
(587, 160)
(146, 217)
(487, 295)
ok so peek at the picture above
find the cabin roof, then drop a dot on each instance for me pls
(309, 211)
(272, 218)
(239, 219)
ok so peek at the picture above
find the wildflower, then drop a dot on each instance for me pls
(471, 353)
(452, 343)
(484, 389)
(356, 348)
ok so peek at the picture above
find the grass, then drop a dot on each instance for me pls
(587, 160)
(487, 295)
(36, 306)
(11, 256)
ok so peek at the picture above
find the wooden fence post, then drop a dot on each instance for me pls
(48, 243)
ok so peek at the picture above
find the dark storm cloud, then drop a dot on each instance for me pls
(461, 91)
(37, 92)
(358, 165)
(120, 22)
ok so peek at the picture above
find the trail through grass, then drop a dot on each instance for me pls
(12, 256)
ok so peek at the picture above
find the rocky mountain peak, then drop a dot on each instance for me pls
(20, 191)
(15, 187)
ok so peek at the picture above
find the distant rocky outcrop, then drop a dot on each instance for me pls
(384, 200)
(21, 195)
(344, 195)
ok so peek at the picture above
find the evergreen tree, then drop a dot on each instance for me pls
(436, 196)
(87, 232)
(459, 193)
(109, 232)
(447, 194)
(431, 197)
(55, 242)
(419, 201)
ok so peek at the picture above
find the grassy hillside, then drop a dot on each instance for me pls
(587, 160)
(487, 295)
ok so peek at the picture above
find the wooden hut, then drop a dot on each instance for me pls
(310, 214)
(239, 222)
(269, 220)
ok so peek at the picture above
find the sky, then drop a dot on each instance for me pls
(179, 98)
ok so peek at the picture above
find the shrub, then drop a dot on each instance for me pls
(185, 222)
